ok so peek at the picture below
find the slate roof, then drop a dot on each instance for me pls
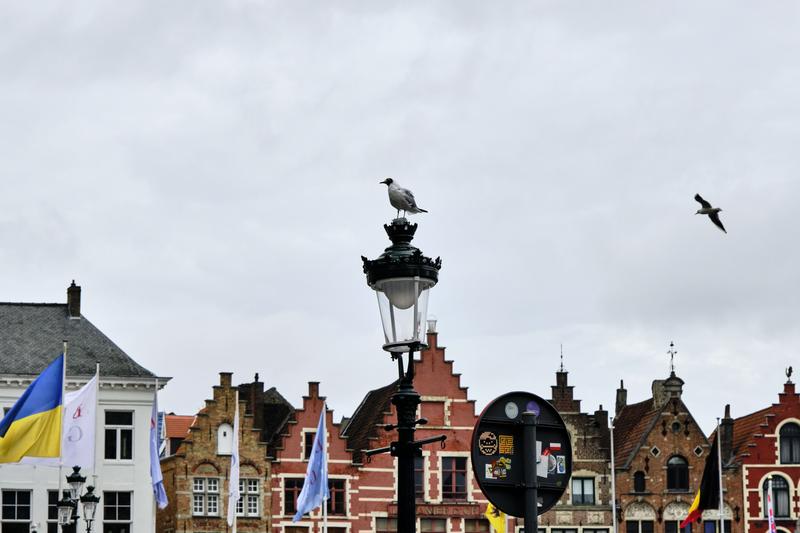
(31, 337)
(278, 412)
(363, 425)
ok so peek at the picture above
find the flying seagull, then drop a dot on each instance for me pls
(712, 212)
(402, 199)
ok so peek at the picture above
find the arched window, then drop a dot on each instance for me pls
(780, 496)
(638, 482)
(790, 444)
(677, 473)
(224, 439)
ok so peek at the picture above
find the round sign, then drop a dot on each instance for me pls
(499, 452)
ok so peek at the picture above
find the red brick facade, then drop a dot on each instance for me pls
(370, 490)
(766, 444)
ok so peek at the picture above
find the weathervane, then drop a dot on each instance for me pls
(789, 375)
(562, 358)
(672, 351)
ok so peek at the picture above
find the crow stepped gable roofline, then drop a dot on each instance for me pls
(32, 335)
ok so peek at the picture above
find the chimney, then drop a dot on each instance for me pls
(622, 398)
(313, 389)
(225, 379)
(74, 300)
(601, 417)
(726, 435)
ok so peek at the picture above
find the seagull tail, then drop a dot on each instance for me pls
(422, 210)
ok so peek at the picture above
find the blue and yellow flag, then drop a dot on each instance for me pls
(32, 428)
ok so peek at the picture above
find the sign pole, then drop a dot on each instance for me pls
(531, 481)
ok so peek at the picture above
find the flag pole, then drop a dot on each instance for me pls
(613, 482)
(60, 445)
(325, 448)
(235, 440)
(96, 410)
(719, 466)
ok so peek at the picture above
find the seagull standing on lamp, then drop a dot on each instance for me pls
(402, 278)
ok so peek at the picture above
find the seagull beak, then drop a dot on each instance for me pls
(384, 182)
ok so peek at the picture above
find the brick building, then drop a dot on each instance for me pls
(760, 446)
(660, 452)
(586, 504)
(196, 476)
(364, 493)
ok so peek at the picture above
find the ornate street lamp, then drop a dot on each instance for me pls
(75, 482)
(66, 511)
(89, 502)
(402, 278)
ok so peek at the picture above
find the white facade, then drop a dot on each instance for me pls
(115, 477)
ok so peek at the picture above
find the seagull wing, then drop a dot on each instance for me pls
(715, 219)
(409, 197)
(703, 203)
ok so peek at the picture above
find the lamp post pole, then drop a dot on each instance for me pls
(402, 278)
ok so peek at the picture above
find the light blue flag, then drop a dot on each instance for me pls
(315, 486)
(155, 462)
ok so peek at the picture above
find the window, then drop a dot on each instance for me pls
(454, 478)
(582, 491)
(476, 525)
(639, 482)
(673, 526)
(291, 490)
(432, 525)
(295, 529)
(638, 526)
(116, 512)
(790, 445)
(677, 473)
(52, 514)
(337, 504)
(16, 514)
(710, 526)
(308, 444)
(419, 478)
(119, 435)
(205, 496)
(554, 530)
(224, 439)
(780, 494)
(248, 502)
(596, 530)
(385, 525)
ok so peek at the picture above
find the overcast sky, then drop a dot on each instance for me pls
(208, 172)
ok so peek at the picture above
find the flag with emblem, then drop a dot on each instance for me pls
(496, 517)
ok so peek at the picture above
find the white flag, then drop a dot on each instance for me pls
(77, 430)
(233, 483)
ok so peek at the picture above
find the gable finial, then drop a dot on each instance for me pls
(789, 375)
(561, 369)
(672, 351)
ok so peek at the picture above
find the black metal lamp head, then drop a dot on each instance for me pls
(89, 502)
(66, 510)
(75, 482)
(402, 278)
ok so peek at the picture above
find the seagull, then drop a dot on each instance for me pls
(712, 212)
(402, 199)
